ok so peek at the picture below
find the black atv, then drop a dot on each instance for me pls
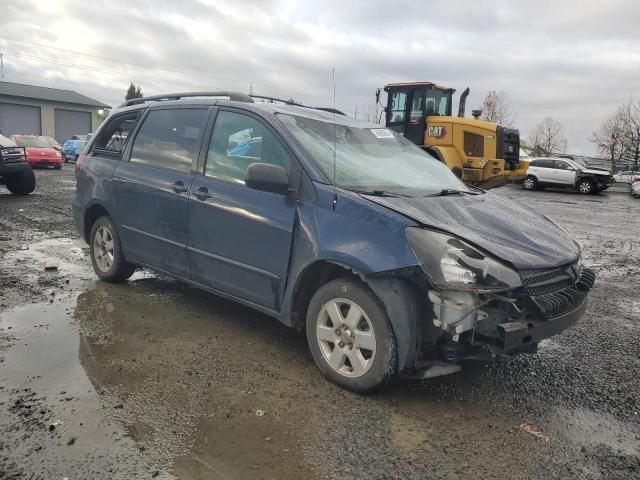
(15, 172)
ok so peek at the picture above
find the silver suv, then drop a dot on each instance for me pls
(565, 173)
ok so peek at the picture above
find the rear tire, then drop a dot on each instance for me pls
(106, 253)
(21, 183)
(586, 186)
(350, 336)
(530, 183)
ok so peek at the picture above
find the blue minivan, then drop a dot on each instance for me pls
(341, 228)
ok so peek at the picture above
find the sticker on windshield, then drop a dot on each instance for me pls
(382, 133)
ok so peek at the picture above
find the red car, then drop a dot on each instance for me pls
(40, 153)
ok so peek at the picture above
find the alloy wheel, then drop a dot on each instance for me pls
(584, 187)
(346, 337)
(103, 248)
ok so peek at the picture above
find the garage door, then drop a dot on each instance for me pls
(19, 119)
(71, 122)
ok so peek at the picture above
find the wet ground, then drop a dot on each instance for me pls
(153, 379)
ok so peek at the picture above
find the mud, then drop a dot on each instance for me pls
(153, 379)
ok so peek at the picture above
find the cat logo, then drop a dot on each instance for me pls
(438, 132)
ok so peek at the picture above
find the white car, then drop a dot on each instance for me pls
(626, 176)
(634, 188)
(565, 173)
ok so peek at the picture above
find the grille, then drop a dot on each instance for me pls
(547, 281)
(563, 301)
(508, 146)
(12, 155)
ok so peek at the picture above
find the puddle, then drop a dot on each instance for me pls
(190, 370)
(55, 413)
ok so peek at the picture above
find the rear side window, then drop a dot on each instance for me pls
(542, 163)
(113, 137)
(239, 140)
(169, 138)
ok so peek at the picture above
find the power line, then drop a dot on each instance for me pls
(160, 69)
(124, 62)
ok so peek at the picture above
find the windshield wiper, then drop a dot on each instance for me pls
(379, 193)
(452, 191)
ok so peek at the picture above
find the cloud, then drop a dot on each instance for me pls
(574, 60)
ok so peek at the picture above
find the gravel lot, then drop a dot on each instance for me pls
(153, 379)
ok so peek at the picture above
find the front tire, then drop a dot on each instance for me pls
(21, 183)
(586, 186)
(530, 183)
(106, 253)
(350, 336)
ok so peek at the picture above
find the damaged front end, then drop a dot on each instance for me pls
(483, 307)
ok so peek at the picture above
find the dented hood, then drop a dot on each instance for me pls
(499, 226)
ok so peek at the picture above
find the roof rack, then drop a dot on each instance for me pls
(296, 104)
(235, 96)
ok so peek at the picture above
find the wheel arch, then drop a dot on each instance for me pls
(399, 297)
(91, 214)
(449, 156)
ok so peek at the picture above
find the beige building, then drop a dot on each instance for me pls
(31, 110)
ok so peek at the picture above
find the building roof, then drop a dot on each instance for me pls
(49, 94)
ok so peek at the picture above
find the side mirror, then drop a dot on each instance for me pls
(267, 177)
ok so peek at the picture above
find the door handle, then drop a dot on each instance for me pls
(179, 187)
(202, 193)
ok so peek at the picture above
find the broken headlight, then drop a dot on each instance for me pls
(452, 264)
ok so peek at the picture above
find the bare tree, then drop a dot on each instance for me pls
(611, 138)
(496, 108)
(631, 119)
(548, 138)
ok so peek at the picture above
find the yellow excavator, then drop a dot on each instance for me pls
(480, 153)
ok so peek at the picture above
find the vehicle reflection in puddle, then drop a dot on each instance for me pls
(190, 370)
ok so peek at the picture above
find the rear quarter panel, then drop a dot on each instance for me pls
(94, 187)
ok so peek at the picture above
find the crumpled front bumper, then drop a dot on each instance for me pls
(559, 310)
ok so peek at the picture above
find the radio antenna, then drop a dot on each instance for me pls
(335, 193)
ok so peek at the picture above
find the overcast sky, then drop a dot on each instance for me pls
(574, 60)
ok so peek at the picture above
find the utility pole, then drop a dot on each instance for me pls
(1, 66)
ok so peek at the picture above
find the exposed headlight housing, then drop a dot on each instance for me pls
(452, 264)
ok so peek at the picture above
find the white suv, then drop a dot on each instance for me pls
(565, 173)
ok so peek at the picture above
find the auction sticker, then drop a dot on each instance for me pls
(382, 133)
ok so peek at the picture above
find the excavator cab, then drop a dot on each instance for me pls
(479, 152)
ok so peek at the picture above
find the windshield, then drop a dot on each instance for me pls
(575, 164)
(438, 102)
(370, 158)
(32, 142)
(50, 141)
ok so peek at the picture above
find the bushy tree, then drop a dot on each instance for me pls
(133, 92)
